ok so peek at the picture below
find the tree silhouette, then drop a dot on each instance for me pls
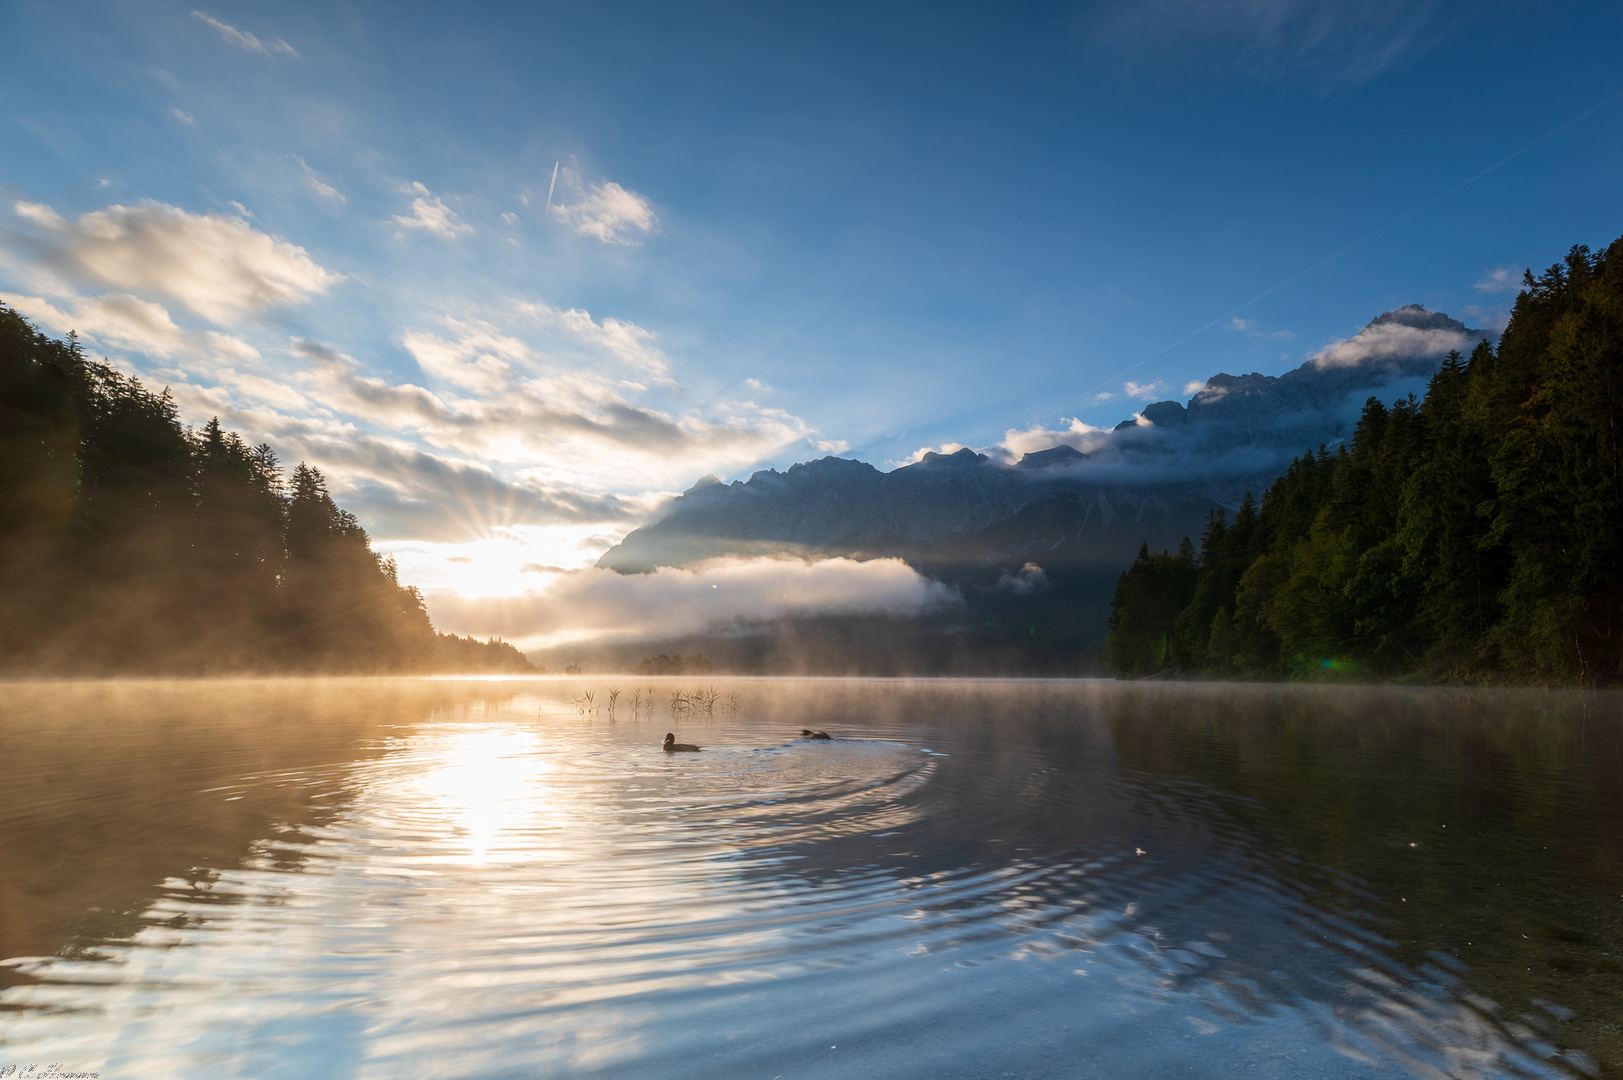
(130, 544)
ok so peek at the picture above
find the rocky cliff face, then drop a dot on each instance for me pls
(1151, 478)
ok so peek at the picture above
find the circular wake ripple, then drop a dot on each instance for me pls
(593, 905)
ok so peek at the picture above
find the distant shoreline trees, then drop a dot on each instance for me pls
(662, 664)
(1475, 535)
(131, 545)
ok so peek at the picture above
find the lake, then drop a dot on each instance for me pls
(977, 878)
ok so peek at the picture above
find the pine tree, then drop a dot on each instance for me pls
(1148, 599)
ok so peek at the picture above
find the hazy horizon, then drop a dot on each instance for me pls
(512, 278)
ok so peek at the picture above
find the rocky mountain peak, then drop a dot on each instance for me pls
(1170, 463)
(962, 459)
(1055, 455)
(1417, 317)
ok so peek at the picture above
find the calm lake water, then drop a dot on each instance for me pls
(434, 878)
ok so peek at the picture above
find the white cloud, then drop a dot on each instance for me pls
(602, 604)
(628, 351)
(1104, 395)
(183, 117)
(431, 215)
(627, 342)
(344, 388)
(117, 319)
(557, 397)
(122, 321)
(1142, 391)
(509, 218)
(918, 455)
(1194, 386)
(1393, 341)
(1505, 279)
(229, 346)
(607, 212)
(1249, 328)
(1029, 578)
(318, 185)
(524, 415)
(1077, 435)
(403, 491)
(260, 392)
(479, 359)
(216, 265)
(244, 40)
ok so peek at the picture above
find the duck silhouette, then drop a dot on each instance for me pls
(808, 733)
(672, 746)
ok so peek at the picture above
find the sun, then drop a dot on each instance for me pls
(507, 562)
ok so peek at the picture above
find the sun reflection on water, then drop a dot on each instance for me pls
(504, 885)
(486, 785)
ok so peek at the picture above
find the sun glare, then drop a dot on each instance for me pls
(488, 789)
(508, 563)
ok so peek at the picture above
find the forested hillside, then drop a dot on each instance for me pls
(130, 544)
(1474, 535)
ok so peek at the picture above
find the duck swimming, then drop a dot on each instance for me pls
(808, 733)
(672, 746)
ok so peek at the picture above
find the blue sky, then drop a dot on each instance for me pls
(777, 231)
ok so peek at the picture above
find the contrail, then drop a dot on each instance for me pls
(1552, 133)
(550, 188)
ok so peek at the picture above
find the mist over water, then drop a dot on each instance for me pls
(400, 878)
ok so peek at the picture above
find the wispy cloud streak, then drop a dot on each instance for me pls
(242, 39)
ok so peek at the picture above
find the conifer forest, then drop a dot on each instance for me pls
(132, 545)
(1474, 535)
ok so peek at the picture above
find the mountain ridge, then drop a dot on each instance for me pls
(1160, 472)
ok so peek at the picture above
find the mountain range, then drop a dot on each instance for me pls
(1084, 504)
(1033, 544)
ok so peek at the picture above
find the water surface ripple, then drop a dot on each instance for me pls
(484, 879)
